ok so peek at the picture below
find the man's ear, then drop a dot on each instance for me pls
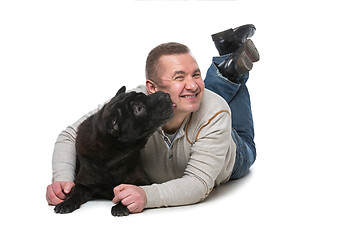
(151, 87)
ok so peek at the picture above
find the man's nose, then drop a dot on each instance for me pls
(190, 83)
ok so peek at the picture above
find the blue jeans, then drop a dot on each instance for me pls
(237, 96)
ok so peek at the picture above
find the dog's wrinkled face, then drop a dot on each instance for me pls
(132, 116)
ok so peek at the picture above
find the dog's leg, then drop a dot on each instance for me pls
(78, 196)
(119, 210)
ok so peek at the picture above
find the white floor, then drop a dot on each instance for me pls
(59, 60)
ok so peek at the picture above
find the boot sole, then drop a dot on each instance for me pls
(244, 63)
(248, 55)
(251, 50)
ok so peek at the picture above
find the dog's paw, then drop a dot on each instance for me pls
(119, 210)
(65, 207)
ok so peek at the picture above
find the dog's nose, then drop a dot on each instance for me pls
(167, 96)
(161, 96)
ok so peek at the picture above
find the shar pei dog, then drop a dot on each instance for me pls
(108, 146)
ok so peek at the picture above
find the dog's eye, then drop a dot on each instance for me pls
(114, 124)
(139, 110)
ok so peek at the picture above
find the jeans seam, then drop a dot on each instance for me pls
(238, 155)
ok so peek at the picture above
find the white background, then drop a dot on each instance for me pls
(59, 59)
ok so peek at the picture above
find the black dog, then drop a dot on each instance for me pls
(108, 146)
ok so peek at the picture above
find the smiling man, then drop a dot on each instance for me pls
(179, 76)
(208, 141)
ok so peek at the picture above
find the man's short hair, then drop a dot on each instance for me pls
(152, 66)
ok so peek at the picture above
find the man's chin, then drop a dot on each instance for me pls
(188, 105)
(188, 108)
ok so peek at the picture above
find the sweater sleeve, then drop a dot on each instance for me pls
(64, 154)
(207, 159)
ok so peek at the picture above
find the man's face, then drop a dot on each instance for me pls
(179, 75)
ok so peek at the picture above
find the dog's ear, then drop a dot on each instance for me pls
(121, 90)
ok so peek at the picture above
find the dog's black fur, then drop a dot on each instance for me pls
(108, 146)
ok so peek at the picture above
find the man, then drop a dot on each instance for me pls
(208, 141)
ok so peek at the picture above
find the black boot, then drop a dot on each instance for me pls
(229, 40)
(240, 62)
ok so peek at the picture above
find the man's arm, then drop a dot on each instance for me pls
(64, 155)
(64, 163)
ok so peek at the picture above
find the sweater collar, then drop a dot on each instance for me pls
(182, 129)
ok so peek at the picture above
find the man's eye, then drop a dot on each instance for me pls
(179, 78)
(197, 75)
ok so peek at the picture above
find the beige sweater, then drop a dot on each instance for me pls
(183, 172)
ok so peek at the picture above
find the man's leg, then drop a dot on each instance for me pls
(237, 96)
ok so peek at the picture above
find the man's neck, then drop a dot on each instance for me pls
(174, 124)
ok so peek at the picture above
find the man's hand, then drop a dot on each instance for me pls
(131, 196)
(57, 192)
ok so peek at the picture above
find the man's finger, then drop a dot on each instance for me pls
(119, 188)
(121, 195)
(133, 208)
(58, 191)
(51, 198)
(68, 187)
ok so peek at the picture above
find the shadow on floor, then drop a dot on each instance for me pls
(229, 187)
